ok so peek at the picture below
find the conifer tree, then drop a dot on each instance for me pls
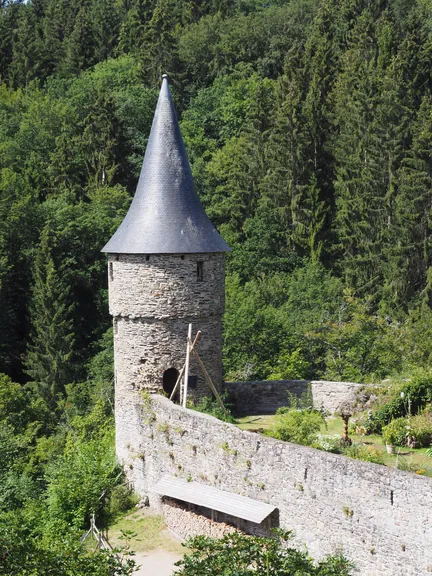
(158, 47)
(133, 28)
(414, 210)
(369, 121)
(80, 46)
(106, 24)
(49, 356)
(291, 188)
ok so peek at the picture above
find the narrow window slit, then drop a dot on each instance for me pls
(200, 271)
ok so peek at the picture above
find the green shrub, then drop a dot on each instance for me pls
(420, 430)
(290, 366)
(414, 396)
(396, 432)
(366, 453)
(209, 405)
(121, 500)
(22, 554)
(299, 426)
(248, 555)
(406, 465)
(328, 443)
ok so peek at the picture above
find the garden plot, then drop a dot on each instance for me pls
(365, 447)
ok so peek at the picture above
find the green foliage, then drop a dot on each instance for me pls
(22, 554)
(366, 453)
(420, 430)
(396, 432)
(251, 555)
(268, 323)
(290, 366)
(360, 345)
(413, 396)
(210, 405)
(49, 358)
(299, 426)
(78, 480)
(308, 127)
(121, 500)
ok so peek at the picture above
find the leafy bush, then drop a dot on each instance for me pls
(299, 426)
(396, 432)
(78, 480)
(406, 465)
(328, 443)
(290, 366)
(366, 453)
(251, 555)
(420, 430)
(360, 344)
(414, 396)
(209, 405)
(21, 554)
(121, 500)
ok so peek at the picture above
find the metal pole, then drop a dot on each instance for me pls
(186, 372)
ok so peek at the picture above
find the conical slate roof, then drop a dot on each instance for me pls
(166, 216)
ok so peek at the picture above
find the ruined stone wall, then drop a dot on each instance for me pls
(152, 300)
(266, 397)
(380, 517)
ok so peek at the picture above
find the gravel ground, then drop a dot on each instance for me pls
(156, 563)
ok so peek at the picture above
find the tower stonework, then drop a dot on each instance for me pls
(165, 270)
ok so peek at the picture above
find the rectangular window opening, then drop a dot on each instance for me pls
(200, 271)
(192, 382)
(111, 271)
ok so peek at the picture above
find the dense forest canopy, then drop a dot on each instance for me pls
(308, 124)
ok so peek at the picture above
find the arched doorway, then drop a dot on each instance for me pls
(169, 380)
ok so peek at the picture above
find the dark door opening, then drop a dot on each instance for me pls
(169, 380)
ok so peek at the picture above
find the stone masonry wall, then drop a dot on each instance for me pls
(266, 397)
(380, 517)
(153, 299)
(166, 285)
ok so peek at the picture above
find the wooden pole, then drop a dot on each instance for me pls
(183, 369)
(209, 380)
(186, 374)
(180, 376)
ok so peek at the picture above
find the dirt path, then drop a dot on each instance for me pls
(156, 563)
(155, 548)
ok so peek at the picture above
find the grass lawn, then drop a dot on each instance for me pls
(255, 422)
(151, 532)
(415, 459)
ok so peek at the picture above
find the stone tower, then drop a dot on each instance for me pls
(165, 270)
